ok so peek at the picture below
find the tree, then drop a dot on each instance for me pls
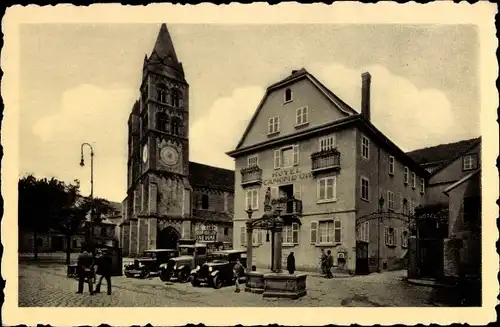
(40, 200)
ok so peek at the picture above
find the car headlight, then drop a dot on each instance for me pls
(141, 265)
(197, 267)
(175, 267)
(209, 268)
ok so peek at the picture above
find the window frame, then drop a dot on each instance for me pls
(363, 234)
(390, 200)
(413, 180)
(334, 189)
(422, 185)
(390, 236)
(473, 162)
(331, 233)
(254, 193)
(273, 125)
(323, 139)
(367, 199)
(285, 95)
(205, 202)
(301, 112)
(365, 146)
(406, 175)
(291, 231)
(392, 165)
(404, 240)
(253, 156)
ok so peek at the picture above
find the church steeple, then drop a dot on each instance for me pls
(164, 55)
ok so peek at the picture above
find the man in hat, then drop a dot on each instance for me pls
(104, 267)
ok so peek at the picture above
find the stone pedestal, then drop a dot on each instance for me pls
(284, 285)
(255, 282)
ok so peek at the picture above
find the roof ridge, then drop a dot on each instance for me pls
(445, 144)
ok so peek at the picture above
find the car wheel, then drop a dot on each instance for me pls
(145, 274)
(164, 276)
(181, 276)
(217, 282)
(195, 282)
(128, 275)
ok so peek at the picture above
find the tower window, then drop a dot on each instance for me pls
(204, 201)
(162, 122)
(161, 93)
(176, 126)
(176, 98)
(288, 95)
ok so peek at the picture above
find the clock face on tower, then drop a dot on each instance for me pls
(169, 156)
(145, 153)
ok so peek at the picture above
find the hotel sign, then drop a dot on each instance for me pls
(286, 176)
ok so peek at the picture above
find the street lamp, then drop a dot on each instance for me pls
(380, 209)
(82, 163)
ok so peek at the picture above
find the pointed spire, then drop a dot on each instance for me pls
(164, 47)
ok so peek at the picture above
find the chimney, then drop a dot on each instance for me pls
(366, 79)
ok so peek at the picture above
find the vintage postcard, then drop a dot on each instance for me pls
(250, 164)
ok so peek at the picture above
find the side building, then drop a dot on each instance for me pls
(168, 196)
(336, 169)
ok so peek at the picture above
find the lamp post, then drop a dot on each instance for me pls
(249, 231)
(82, 163)
(380, 209)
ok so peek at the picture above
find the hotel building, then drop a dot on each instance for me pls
(304, 143)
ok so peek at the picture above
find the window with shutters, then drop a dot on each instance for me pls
(257, 237)
(301, 116)
(313, 236)
(363, 234)
(252, 199)
(327, 189)
(286, 157)
(327, 143)
(390, 200)
(405, 175)
(390, 236)
(329, 231)
(290, 234)
(274, 125)
(243, 235)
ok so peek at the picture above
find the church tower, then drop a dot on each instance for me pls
(158, 201)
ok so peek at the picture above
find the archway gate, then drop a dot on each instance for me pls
(363, 259)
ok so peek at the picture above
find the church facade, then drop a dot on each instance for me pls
(169, 197)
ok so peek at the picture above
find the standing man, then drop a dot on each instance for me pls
(104, 267)
(290, 263)
(323, 261)
(236, 271)
(329, 264)
(85, 270)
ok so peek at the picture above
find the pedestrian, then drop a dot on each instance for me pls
(323, 261)
(329, 264)
(104, 267)
(85, 270)
(290, 263)
(237, 271)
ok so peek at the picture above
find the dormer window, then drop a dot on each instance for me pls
(469, 162)
(288, 95)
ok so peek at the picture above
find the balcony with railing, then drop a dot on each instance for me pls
(325, 160)
(251, 176)
(289, 206)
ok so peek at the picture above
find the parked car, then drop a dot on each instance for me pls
(219, 270)
(149, 263)
(190, 256)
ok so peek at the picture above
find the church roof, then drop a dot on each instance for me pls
(164, 47)
(211, 177)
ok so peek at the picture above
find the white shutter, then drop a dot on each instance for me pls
(297, 191)
(277, 159)
(274, 192)
(314, 232)
(259, 236)
(295, 155)
(242, 235)
(337, 225)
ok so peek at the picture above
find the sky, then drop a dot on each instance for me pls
(78, 84)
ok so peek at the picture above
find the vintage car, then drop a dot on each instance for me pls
(190, 256)
(149, 263)
(219, 270)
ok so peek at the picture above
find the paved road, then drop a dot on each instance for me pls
(46, 285)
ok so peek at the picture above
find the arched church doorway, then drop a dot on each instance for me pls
(167, 238)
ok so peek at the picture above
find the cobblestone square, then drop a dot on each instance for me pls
(46, 285)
